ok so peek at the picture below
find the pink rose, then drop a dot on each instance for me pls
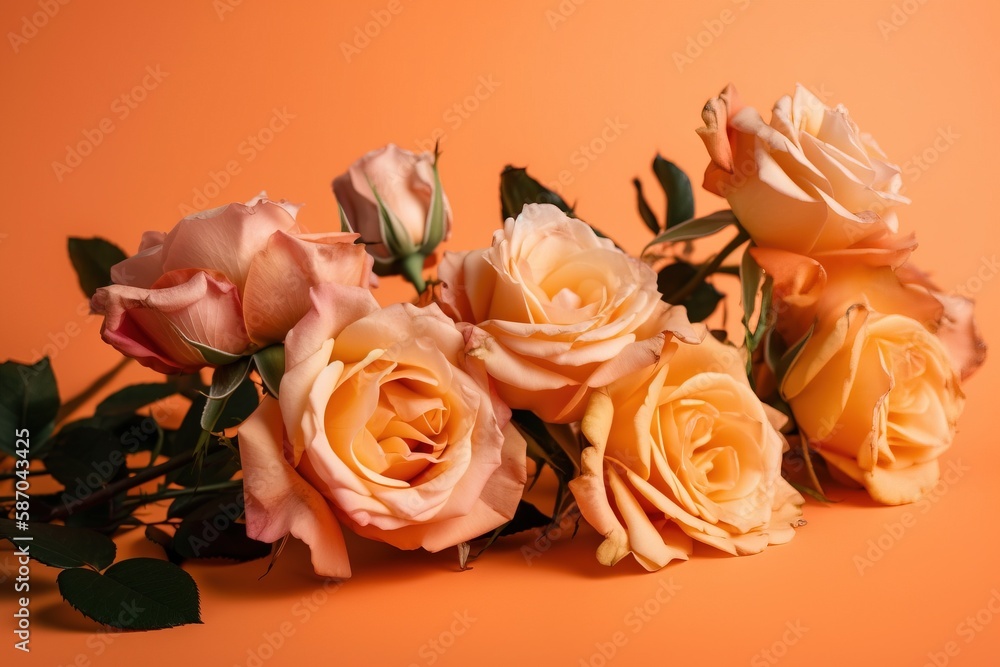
(222, 284)
(405, 185)
(558, 311)
(383, 428)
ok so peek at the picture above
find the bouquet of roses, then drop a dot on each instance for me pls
(310, 408)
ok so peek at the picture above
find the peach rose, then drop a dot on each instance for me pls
(684, 451)
(808, 289)
(558, 311)
(956, 327)
(222, 284)
(808, 182)
(403, 184)
(381, 428)
(878, 399)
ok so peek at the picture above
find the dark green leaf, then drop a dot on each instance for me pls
(164, 540)
(135, 594)
(134, 397)
(645, 212)
(677, 186)
(750, 276)
(84, 457)
(526, 517)
(29, 401)
(219, 464)
(702, 300)
(517, 188)
(270, 363)
(781, 364)
(696, 229)
(184, 505)
(92, 259)
(213, 531)
(62, 546)
(105, 517)
(541, 442)
(225, 381)
(240, 405)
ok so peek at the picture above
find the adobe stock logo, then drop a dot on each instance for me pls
(122, 107)
(30, 25)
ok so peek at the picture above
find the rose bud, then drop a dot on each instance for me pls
(394, 199)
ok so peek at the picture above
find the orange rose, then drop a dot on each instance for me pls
(878, 399)
(684, 451)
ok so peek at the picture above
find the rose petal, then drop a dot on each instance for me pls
(281, 275)
(279, 502)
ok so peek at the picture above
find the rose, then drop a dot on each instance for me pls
(557, 311)
(684, 451)
(808, 182)
(806, 290)
(877, 397)
(394, 199)
(956, 327)
(223, 283)
(381, 428)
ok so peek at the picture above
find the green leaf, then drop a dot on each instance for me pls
(544, 446)
(135, 594)
(750, 277)
(781, 364)
(526, 517)
(434, 229)
(645, 212)
(211, 355)
(517, 188)
(92, 259)
(677, 186)
(270, 363)
(219, 464)
(212, 531)
(29, 401)
(239, 406)
(701, 302)
(393, 232)
(812, 493)
(164, 540)
(225, 380)
(84, 457)
(345, 224)
(696, 228)
(134, 397)
(62, 546)
(104, 517)
(765, 321)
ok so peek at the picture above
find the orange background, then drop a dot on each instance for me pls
(559, 72)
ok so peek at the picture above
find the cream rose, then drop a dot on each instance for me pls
(878, 399)
(684, 451)
(383, 428)
(810, 181)
(557, 311)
